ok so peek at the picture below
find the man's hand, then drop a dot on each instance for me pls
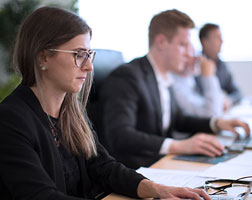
(198, 144)
(207, 66)
(227, 104)
(230, 125)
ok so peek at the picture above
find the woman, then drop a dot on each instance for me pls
(47, 150)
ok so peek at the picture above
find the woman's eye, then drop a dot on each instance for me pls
(80, 55)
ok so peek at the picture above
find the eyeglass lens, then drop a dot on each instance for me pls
(82, 57)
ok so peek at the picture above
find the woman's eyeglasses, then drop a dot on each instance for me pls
(220, 186)
(80, 56)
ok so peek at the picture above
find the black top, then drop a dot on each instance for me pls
(71, 167)
(31, 165)
(71, 171)
(132, 116)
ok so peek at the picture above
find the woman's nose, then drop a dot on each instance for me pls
(88, 66)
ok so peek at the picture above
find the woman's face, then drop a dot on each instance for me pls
(61, 72)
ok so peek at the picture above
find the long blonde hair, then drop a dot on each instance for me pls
(46, 28)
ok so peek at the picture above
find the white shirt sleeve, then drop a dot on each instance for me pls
(192, 102)
(213, 124)
(214, 98)
(165, 147)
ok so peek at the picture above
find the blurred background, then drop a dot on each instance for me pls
(123, 25)
(12, 13)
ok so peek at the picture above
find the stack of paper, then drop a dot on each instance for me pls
(235, 168)
(177, 178)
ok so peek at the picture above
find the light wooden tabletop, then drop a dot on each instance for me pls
(167, 163)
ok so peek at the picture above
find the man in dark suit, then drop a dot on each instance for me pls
(211, 40)
(138, 110)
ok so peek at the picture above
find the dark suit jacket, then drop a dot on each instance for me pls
(131, 115)
(30, 164)
(226, 81)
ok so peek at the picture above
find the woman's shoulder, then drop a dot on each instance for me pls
(17, 116)
(20, 103)
(13, 107)
(12, 110)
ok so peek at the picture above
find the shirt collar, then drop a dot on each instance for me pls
(165, 80)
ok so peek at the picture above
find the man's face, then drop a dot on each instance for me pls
(212, 44)
(177, 50)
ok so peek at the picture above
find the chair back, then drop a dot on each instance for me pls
(104, 63)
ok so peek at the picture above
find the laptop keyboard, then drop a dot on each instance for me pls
(220, 197)
(240, 144)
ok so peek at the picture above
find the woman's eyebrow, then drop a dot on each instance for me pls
(83, 49)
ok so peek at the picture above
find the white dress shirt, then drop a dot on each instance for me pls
(164, 82)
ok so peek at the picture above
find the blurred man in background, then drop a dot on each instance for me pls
(211, 40)
(139, 112)
(187, 93)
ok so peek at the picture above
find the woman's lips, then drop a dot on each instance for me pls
(81, 78)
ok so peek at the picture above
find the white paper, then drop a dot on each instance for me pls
(227, 170)
(244, 158)
(178, 178)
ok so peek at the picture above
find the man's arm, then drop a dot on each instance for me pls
(228, 84)
(191, 100)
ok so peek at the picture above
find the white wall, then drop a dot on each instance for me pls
(123, 25)
(242, 74)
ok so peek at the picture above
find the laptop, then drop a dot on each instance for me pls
(243, 140)
(222, 197)
(246, 142)
(240, 144)
(233, 144)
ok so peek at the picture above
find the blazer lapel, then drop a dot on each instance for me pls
(151, 83)
(173, 111)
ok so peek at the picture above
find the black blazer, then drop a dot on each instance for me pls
(131, 115)
(30, 164)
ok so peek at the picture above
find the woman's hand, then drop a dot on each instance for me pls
(149, 189)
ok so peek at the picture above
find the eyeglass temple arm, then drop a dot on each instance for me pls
(226, 180)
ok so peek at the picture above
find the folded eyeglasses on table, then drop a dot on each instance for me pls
(241, 187)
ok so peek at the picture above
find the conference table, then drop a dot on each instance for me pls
(167, 163)
(242, 111)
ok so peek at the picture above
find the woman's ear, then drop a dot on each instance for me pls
(42, 60)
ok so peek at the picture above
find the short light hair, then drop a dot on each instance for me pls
(167, 23)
